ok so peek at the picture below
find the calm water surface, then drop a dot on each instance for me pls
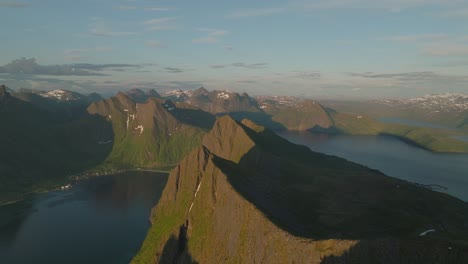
(100, 220)
(394, 158)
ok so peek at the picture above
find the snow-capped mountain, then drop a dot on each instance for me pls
(61, 95)
(278, 101)
(434, 102)
(177, 95)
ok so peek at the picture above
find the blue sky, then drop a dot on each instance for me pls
(314, 48)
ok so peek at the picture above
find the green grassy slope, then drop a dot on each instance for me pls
(153, 134)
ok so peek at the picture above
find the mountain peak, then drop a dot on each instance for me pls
(200, 91)
(228, 139)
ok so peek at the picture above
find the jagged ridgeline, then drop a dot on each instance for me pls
(155, 133)
(248, 196)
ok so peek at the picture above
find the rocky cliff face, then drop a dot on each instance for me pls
(156, 132)
(247, 196)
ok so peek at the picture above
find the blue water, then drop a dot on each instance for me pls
(394, 158)
(101, 220)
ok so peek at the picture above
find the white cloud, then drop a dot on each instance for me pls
(157, 8)
(154, 44)
(448, 50)
(258, 65)
(162, 23)
(257, 12)
(13, 4)
(100, 29)
(390, 5)
(125, 7)
(212, 35)
(418, 37)
(73, 57)
(157, 21)
(74, 51)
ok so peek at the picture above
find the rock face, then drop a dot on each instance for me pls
(156, 132)
(248, 196)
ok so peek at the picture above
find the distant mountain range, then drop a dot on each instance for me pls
(445, 109)
(440, 102)
(140, 128)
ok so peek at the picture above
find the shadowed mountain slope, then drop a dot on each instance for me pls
(40, 147)
(249, 196)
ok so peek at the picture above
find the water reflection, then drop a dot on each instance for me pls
(101, 220)
(394, 158)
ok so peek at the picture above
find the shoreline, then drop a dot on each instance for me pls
(72, 179)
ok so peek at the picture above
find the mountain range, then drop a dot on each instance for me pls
(237, 192)
(444, 109)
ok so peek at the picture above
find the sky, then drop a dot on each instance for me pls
(357, 49)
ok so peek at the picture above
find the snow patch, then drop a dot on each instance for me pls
(223, 95)
(141, 128)
(195, 196)
(128, 121)
(425, 232)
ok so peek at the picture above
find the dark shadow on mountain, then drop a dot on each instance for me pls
(194, 117)
(332, 130)
(39, 149)
(404, 139)
(391, 251)
(60, 110)
(175, 250)
(260, 118)
(317, 196)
